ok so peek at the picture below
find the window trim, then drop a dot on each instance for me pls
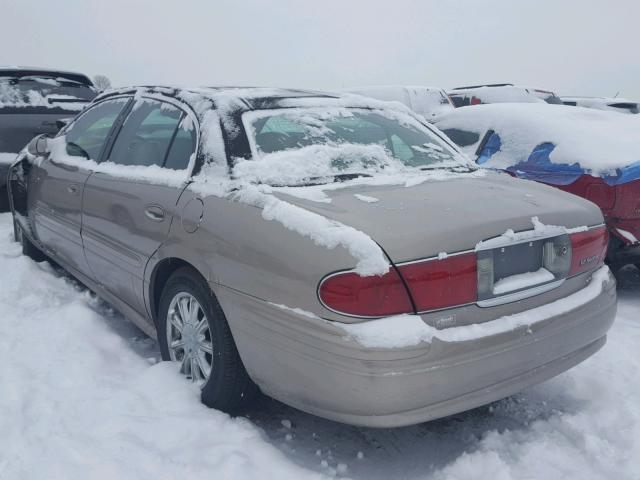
(186, 112)
(194, 122)
(116, 123)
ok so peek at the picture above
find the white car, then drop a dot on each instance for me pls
(501, 93)
(613, 104)
(426, 101)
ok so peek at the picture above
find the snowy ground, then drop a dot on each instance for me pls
(81, 396)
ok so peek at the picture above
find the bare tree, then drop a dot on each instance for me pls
(102, 82)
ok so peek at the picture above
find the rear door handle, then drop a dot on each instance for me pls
(73, 189)
(154, 212)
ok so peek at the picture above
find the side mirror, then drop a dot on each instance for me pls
(39, 146)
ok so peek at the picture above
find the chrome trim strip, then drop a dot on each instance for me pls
(507, 243)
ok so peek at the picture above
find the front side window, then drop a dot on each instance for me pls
(316, 142)
(87, 135)
(154, 134)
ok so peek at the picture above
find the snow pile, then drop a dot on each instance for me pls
(522, 280)
(77, 402)
(294, 166)
(409, 330)
(599, 141)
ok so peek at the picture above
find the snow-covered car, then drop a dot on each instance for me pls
(590, 153)
(31, 102)
(501, 93)
(612, 104)
(337, 253)
(426, 101)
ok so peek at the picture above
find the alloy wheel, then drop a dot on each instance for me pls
(189, 338)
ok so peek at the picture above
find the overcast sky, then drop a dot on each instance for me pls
(573, 47)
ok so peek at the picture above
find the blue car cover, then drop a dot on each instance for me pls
(540, 168)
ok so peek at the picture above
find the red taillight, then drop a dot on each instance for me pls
(442, 283)
(433, 284)
(588, 249)
(375, 296)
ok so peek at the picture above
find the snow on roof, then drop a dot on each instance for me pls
(599, 141)
(599, 99)
(379, 91)
(502, 94)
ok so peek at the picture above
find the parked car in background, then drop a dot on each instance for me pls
(612, 104)
(426, 101)
(501, 93)
(338, 253)
(31, 102)
(590, 153)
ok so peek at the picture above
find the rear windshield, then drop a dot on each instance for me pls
(43, 91)
(316, 142)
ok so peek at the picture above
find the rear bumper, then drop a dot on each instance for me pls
(312, 365)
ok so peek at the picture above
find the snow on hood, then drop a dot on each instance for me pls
(599, 141)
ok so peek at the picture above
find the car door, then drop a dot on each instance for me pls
(129, 206)
(56, 184)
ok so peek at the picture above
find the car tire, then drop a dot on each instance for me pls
(28, 248)
(227, 386)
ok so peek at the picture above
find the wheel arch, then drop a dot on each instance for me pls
(159, 276)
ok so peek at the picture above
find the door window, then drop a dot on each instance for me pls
(87, 135)
(154, 134)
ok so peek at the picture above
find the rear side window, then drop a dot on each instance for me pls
(87, 135)
(183, 146)
(154, 133)
(462, 138)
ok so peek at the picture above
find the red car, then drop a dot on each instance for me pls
(590, 153)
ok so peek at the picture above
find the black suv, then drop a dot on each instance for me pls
(32, 101)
